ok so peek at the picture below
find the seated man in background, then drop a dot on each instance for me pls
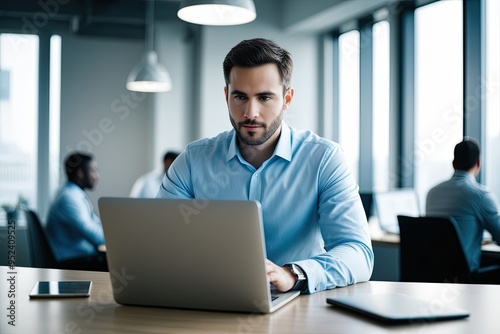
(148, 184)
(73, 229)
(474, 207)
(316, 232)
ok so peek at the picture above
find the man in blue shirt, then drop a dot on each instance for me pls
(474, 207)
(316, 232)
(73, 229)
(147, 185)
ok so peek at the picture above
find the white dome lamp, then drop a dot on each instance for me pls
(217, 12)
(149, 75)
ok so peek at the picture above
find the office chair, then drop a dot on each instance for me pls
(40, 251)
(431, 251)
(42, 255)
(367, 200)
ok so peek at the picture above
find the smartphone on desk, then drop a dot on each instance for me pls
(61, 289)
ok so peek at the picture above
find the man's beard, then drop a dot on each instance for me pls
(251, 139)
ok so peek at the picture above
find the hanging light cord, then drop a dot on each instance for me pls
(150, 25)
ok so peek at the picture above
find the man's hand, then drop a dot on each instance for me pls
(281, 277)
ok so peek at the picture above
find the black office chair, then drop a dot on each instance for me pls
(431, 251)
(367, 200)
(42, 255)
(40, 251)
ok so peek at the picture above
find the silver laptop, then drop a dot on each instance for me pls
(191, 254)
(390, 204)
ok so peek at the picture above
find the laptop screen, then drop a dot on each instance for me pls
(389, 205)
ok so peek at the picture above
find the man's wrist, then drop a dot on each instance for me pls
(300, 276)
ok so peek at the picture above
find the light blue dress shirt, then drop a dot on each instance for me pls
(147, 185)
(312, 212)
(473, 207)
(73, 229)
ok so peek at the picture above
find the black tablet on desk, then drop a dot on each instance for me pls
(398, 308)
(61, 289)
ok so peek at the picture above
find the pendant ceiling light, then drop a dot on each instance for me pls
(217, 12)
(149, 75)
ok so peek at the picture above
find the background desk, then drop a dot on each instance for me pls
(307, 314)
(386, 251)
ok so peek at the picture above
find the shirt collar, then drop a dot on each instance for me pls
(464, 174)
(233, 148)
(72, 185)
(75, 187)
(283, 148)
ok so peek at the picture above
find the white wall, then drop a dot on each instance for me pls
(100, 116)
(174, 46)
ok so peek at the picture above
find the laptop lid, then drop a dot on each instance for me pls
(390, 204)
(397, 308)
(185, 253)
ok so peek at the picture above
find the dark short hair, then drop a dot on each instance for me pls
(259, 51)
(170, 155)
(75, 161)
(466, 154)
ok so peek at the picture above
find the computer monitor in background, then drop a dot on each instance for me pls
(390, 204)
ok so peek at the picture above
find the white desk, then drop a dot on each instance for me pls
(307, 314)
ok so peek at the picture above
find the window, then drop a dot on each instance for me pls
(18, 119)
(438, 92)
(55, 114)
(21, 121)
(491, 93)
(381, 59)
(349, 98)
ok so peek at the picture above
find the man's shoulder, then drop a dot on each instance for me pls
(69, 193)
(73, 189)
(444, 186)
(222, 138)
(457, 186)
(310, 138)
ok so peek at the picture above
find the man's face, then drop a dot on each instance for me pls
(256, 102)
(91, 176)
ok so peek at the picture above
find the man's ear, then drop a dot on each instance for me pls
(288, 97)
(226, 94)
(80, 174)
